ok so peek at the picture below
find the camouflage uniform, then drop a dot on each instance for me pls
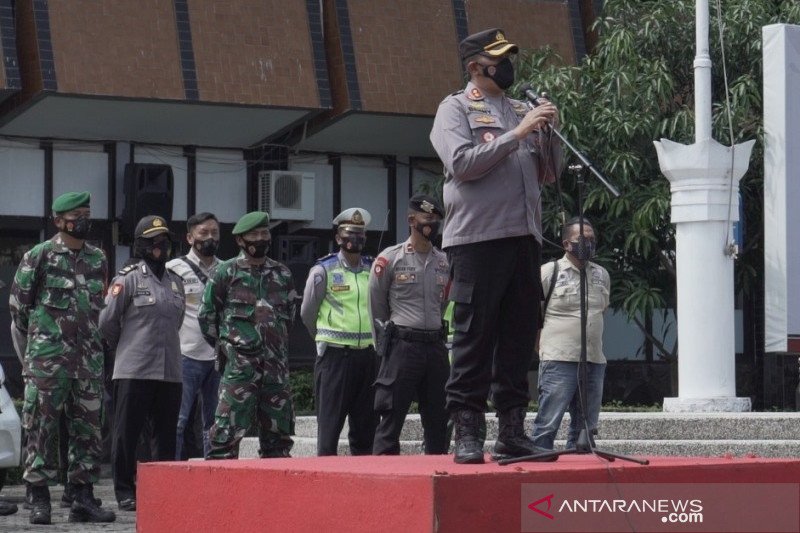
(56, 298)
(247, 311)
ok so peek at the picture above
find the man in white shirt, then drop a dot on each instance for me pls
(198, 358)
(560, 344)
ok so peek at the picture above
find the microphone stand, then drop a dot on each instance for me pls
(585, 443)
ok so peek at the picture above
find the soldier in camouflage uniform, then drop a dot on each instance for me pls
(56, 298)
(247, 310)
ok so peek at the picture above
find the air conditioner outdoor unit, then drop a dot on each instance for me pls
(286, 195)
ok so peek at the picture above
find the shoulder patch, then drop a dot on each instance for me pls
(380, 266)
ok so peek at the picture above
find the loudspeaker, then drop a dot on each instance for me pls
(148, 191)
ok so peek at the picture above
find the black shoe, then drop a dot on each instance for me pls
(128, 504)
(40, 506)
(512, 441)
(467, 449)
(85, 508)
(7, 508)
(69, 496)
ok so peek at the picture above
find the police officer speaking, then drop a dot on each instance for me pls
(334, 311)
(248, 307)
(495, 154)
(406, 300)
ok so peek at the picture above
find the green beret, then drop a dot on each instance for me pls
(71, 200)
(252, 220)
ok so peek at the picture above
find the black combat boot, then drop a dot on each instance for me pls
(85, 509)
(511, 439)
(28, 503)
(70, 489)
(40, 505)
(7, 508)
(467, 449)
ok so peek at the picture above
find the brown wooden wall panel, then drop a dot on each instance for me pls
(253, 52)
(406, 54)
(527, 23)
(116, 48)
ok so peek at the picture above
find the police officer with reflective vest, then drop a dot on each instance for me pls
(334, 310)
(140, 324)
(406, 300)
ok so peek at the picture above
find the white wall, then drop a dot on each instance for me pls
(22, 176)
(222, 184)
(164, 155)
(403, 178)
(365, 184)
(82, 168)
(323, 188)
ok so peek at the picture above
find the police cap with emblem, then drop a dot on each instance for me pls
(251, 221)
(71, 200)
(422, 203)
(355, 218)
(490, 43)
(150, 226)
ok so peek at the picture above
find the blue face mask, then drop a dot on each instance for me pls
(585, 252)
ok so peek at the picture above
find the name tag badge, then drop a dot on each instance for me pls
(340, 288)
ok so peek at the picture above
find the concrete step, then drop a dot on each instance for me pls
(639, 426)
(307, 447)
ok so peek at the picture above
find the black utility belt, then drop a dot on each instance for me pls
(420, 335)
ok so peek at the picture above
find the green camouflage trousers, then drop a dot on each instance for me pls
(80, 401)
(253, 386)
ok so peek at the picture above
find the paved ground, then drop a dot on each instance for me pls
(126, 521)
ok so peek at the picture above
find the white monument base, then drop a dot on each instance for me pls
(727, 404)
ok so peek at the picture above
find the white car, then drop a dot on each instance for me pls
(10, 430)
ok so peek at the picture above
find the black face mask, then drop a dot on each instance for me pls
(206, 248)
(585, 252)
(353, 243)
(434, 229)
(165, 252)
(503, 74)
(255, 249)
(78, 228)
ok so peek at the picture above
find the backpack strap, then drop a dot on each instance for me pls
(553, 279)
(196, 269)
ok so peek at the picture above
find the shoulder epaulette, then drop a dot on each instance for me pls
(327, 257)
(124, 271)
(367, 259)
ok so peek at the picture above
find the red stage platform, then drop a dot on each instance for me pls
(403, 493)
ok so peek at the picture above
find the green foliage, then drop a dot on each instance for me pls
(636, 87)
(302, 384)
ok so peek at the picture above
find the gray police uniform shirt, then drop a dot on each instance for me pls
(561, 333)
(140, 323)
(408, 287)
(193, 345)
(492, 180)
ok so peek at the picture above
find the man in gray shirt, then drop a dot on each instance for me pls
(495, 152)
(406, 299)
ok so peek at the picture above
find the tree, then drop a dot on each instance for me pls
(638, 86)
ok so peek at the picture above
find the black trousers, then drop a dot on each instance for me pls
(343, 380)
(135, 401)
(412, 369)
(497, 290)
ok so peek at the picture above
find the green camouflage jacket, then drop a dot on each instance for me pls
(249, 308)
(56, 298)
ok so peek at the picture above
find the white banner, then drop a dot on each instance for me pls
(781, 49)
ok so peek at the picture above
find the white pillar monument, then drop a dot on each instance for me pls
(704, 179)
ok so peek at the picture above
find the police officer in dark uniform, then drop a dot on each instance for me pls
(334, 310)
(406, 300)
(140, 323)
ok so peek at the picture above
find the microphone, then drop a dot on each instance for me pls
(531, 95)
